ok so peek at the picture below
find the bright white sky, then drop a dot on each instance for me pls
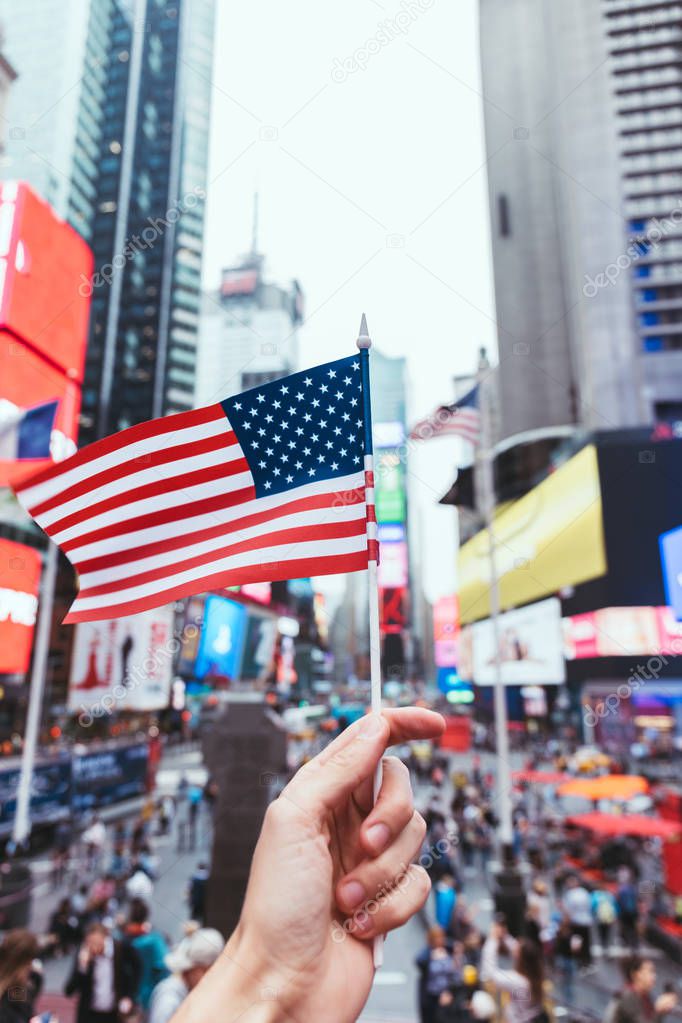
(372, 192)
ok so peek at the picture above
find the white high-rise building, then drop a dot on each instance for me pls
(248, 332)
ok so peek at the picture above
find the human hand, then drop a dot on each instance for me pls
(330, 872)
(665, 1003)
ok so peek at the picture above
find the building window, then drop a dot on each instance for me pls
(504, 226)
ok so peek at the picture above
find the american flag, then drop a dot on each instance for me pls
(268, 484)
(461, 419)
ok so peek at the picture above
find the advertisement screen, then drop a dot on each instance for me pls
(222, 639)
(259, 647)
(530, 646)
(671, 560)
(191, 633)
(393, 610)
(124, 664)
(42, 336)
(109, 776)
(393, 565)
(50, 793)
(390, 490)
(550, 538)
(19, 584)
(622, 632)
(445, 631)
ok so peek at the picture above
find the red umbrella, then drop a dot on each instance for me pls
(541, 777)
(627, 824)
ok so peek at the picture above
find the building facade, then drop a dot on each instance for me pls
(249, 332)
(581, 109)
(109, 122)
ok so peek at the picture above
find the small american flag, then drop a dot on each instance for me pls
(269, 484)
(461, 419)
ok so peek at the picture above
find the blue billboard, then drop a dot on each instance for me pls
(671, 559)
(222, 639)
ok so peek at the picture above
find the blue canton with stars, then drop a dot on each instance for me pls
(303, 428)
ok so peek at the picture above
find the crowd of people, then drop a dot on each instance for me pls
(122, 966)
(465, 974)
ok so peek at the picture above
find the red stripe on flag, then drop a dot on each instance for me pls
(142, 431)
(160, 518)
(371, 513)
(373, 550)
(294, 536)
(273, 572)
(296, 505)
(369, 478)
(148, 490)
(202, 446)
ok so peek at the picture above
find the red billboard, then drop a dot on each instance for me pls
(45, 288)
(19, 583)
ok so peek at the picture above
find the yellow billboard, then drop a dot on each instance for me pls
(550, 538)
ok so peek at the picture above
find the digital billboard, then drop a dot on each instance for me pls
(392, 569)
(622, 632)
(393, 610)
(671, 559)
(390, 489)
(123, 664)
(19, 584)
(45, 289)
(222, 639)
(530, 647)
(445, 631)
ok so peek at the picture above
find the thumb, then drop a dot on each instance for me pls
(328, 780)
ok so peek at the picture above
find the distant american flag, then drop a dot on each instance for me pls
(269, 484)
(461, 419)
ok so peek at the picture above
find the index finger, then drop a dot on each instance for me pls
(329, 779)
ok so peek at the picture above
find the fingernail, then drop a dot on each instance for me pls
(378, 836)
(370, 725)
(352, 894)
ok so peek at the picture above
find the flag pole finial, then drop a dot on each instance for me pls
(364, 340)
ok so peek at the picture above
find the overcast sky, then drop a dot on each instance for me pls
(372, 191)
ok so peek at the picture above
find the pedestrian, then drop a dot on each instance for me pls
(194, 797)
(20, 976)
(626, 902)
(445, 898)
(105, 976)
(564, 959)
(197, 893)
(436, 974)
(539, 913)
(636, 1004)
(605, 914)
(139, 885)
(577, 905)
(524, 982)
(188, 962)
(63, 927)
(94, 838)
(63, 837)
(151, 951)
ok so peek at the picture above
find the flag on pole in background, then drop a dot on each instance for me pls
(269, 484)
(26, 433)
(461, 419)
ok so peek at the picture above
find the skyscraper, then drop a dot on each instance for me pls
(111, 126)
(249, 332)
(582, 104)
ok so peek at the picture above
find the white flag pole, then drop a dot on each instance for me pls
(364, 344)
(21, 831)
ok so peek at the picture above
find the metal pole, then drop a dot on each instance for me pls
(22, 818)
(364, 344)
(486, 481)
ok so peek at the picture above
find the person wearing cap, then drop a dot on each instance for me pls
(188, 962)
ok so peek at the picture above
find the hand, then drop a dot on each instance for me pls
(330, 871)
(83, 958)
(665, 1002)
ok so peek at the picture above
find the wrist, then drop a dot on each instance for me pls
(242, 984)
